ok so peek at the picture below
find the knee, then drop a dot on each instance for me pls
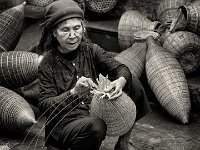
(98, 127)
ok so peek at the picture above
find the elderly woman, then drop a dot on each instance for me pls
(68, 72)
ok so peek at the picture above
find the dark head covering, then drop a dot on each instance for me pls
(61, 10)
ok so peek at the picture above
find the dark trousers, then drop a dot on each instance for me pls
(82, 134)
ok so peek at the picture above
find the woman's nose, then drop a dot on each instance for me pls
(72, 34)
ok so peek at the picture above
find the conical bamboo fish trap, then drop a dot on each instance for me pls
(192, 14)
(18, 68)
(134, 58)
(130, 22)
(168, 82)
(42, 3)
(119, 114)
(100, 6)
(15, 113)
(11, 27)
(186, 48)
(167, 10)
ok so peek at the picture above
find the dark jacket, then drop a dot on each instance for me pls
(58, 74)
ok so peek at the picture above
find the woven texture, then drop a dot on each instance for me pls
(186, 47)
(100, 6)
(167, 10)
(130, 22)
(11, 26)
(42, 3)
(193, 16)
(18, 68)
(15, 112)
(81, 4)
(134, 58)
(168, 82)
(119, 114)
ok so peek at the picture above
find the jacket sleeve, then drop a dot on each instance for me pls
(49, 101)
(107, 64)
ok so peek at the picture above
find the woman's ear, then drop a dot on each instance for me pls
(54, 33)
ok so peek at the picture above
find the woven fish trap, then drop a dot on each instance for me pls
(15, 113)
(18, 68)
(130, 22)
(192, 14)
(167, 10)
(100, 6)
(186, 48)
(119, 114)
(168, 82)
(134, 58)
(11, 27)
(81, 4)
(42, 3)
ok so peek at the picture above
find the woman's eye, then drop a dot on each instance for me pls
(77, 27)
(65, 30)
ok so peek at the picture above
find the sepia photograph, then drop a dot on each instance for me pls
(99, 74)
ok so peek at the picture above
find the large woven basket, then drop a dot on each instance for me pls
(168, 82)
(134, 58)
(167, 10)
(192, 13)
(42, 3)
(100, 6)
(18, 68)
(130, 22)
(11, 27)
(119, 114)
(186, 47)
(15, 113)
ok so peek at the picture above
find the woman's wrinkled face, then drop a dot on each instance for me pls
(69, 34)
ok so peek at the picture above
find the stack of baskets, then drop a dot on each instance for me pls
(177, 51)
(18, 68)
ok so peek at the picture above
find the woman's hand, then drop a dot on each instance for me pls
(83, 84)
(115, 88)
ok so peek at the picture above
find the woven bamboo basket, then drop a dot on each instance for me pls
(100, 6)
(119, 114)
(11, 27)
(130, 22)
(134, 58)
(18, 68)
(192, 13)
(186, 48)
(81, 4)
(168, 82)
(15, 113)
(42, 3)
(167, 10)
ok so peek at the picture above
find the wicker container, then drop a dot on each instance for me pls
(186, 48)
(81, 4)
(192, 13)
(167, 10)
(130, 22)
(168, 82)
(11, 27)
(100, 6)
(42, 3)
(134, 58)
(18, 68)
(15, 113)
(119, 114)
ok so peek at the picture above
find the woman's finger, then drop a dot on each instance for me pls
(91, 83)
(82, 84)
(116, 95)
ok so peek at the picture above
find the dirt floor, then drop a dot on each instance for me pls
(156, 131)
